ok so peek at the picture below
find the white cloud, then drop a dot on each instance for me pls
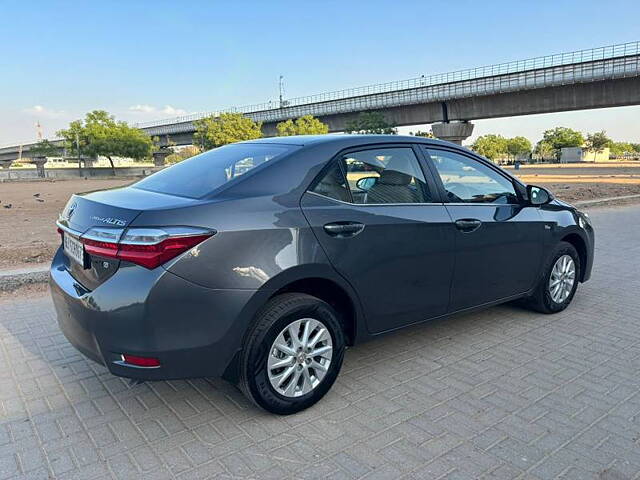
(169, 110)
(142, 108)
(150, 109)
(43, 112)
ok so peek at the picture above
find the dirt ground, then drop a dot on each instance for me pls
(575, 192)
(28, 234)
(27, 229)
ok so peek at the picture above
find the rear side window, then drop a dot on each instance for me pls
(202, 174)
(333, 184)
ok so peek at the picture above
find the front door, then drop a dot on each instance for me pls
(498, 238)
(383, 230)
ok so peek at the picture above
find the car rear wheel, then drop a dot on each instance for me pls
(558, 285)
(292, 354)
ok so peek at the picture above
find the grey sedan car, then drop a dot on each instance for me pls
(262, 261)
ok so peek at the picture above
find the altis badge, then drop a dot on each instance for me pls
(109, 220)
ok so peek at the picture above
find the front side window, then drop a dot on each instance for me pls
(197, 176)
(466, 180)
(376, 176)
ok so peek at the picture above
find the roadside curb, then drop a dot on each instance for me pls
(599, 201)
(13, 279)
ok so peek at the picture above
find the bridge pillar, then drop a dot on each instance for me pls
(160, 156)
(454, 132)
(39, 163)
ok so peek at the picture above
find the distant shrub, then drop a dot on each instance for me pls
(182, 154)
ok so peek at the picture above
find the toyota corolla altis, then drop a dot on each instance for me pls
(261, 261)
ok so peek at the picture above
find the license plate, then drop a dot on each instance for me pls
(74, 249)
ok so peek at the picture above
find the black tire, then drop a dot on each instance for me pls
(270, 321)
(541, 300)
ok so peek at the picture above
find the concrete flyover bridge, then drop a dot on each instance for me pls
(596, 78)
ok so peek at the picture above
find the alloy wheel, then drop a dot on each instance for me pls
(300, 357)
(562, 279)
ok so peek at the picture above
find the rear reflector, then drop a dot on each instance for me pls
(140, 361)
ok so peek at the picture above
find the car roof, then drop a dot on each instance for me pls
(344, 140)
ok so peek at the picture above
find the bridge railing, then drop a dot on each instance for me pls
(536, 63)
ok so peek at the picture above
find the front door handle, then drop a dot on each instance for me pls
(468, 225)
(343, 229)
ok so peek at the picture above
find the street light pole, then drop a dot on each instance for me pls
(78, 151)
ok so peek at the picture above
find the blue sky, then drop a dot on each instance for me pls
(146, 60)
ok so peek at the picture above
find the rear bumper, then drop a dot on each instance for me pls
(194, 331)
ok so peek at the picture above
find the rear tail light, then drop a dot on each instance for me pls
(148, 247)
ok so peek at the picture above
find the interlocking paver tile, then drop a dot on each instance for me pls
(499, 394)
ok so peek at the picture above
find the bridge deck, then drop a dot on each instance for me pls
(598, 70)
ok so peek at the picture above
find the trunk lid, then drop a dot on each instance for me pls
(107, 209)
(112, 208)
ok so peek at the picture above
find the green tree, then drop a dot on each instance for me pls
(597, 142)
(305, 125)
(101, 135)
(371, 123)
(619, 149)
(491, 146)
(75, 138)
(420, 133)
(518, 146)
(544, 150)
(562, 137)
(44, 148)
(212, 132)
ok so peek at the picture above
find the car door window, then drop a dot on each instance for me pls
(385, 175)
(466, 180)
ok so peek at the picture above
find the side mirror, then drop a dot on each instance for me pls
(538, 195)
(365, 183)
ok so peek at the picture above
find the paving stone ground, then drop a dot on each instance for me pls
(504, 393)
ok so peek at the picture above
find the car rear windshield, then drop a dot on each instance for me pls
(199, 175)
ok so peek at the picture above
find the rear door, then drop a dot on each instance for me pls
(498, 238)
(388, 234)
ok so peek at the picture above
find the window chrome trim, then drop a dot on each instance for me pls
(372, 204)
(480, 204)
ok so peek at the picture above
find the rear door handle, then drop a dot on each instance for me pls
(468, 225)
(343, 229)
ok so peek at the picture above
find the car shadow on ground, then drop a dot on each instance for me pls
(417, 349)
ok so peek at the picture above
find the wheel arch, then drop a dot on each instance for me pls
(332, 293)
(322, 281)
(581, 247)
(319, 280)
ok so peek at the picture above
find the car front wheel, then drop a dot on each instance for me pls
(559, 282)
(293, 353)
